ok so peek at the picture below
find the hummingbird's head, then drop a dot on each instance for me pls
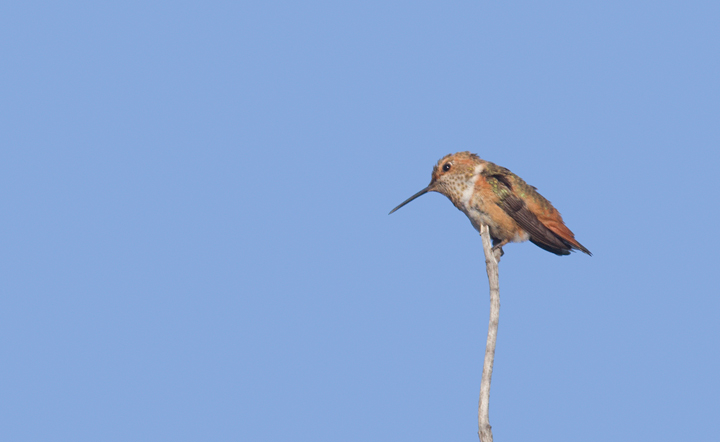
(451, 176)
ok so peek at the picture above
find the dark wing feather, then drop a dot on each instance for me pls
(540, 235)
(561, 252)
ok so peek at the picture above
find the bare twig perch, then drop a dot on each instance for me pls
(492, 257)
(488, 193)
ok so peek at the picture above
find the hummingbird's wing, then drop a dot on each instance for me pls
(540, 235)
(531, 211)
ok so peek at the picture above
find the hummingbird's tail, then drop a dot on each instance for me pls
(568, 240)
(563, 235)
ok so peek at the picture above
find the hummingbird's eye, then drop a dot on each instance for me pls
(446, 167)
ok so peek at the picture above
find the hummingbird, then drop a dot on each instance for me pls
(492, 195)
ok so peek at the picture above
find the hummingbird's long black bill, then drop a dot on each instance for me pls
(422, 192)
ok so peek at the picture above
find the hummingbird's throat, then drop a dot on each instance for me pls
(469, 204)
(467, 187)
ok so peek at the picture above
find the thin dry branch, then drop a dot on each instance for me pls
(492, 257)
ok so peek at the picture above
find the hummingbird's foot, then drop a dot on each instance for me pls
(498, 252)
(498, 248)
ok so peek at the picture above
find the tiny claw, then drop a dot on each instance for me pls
(498, 252)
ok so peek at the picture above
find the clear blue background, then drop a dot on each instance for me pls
(195, 242)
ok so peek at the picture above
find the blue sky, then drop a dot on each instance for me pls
(196, 246)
